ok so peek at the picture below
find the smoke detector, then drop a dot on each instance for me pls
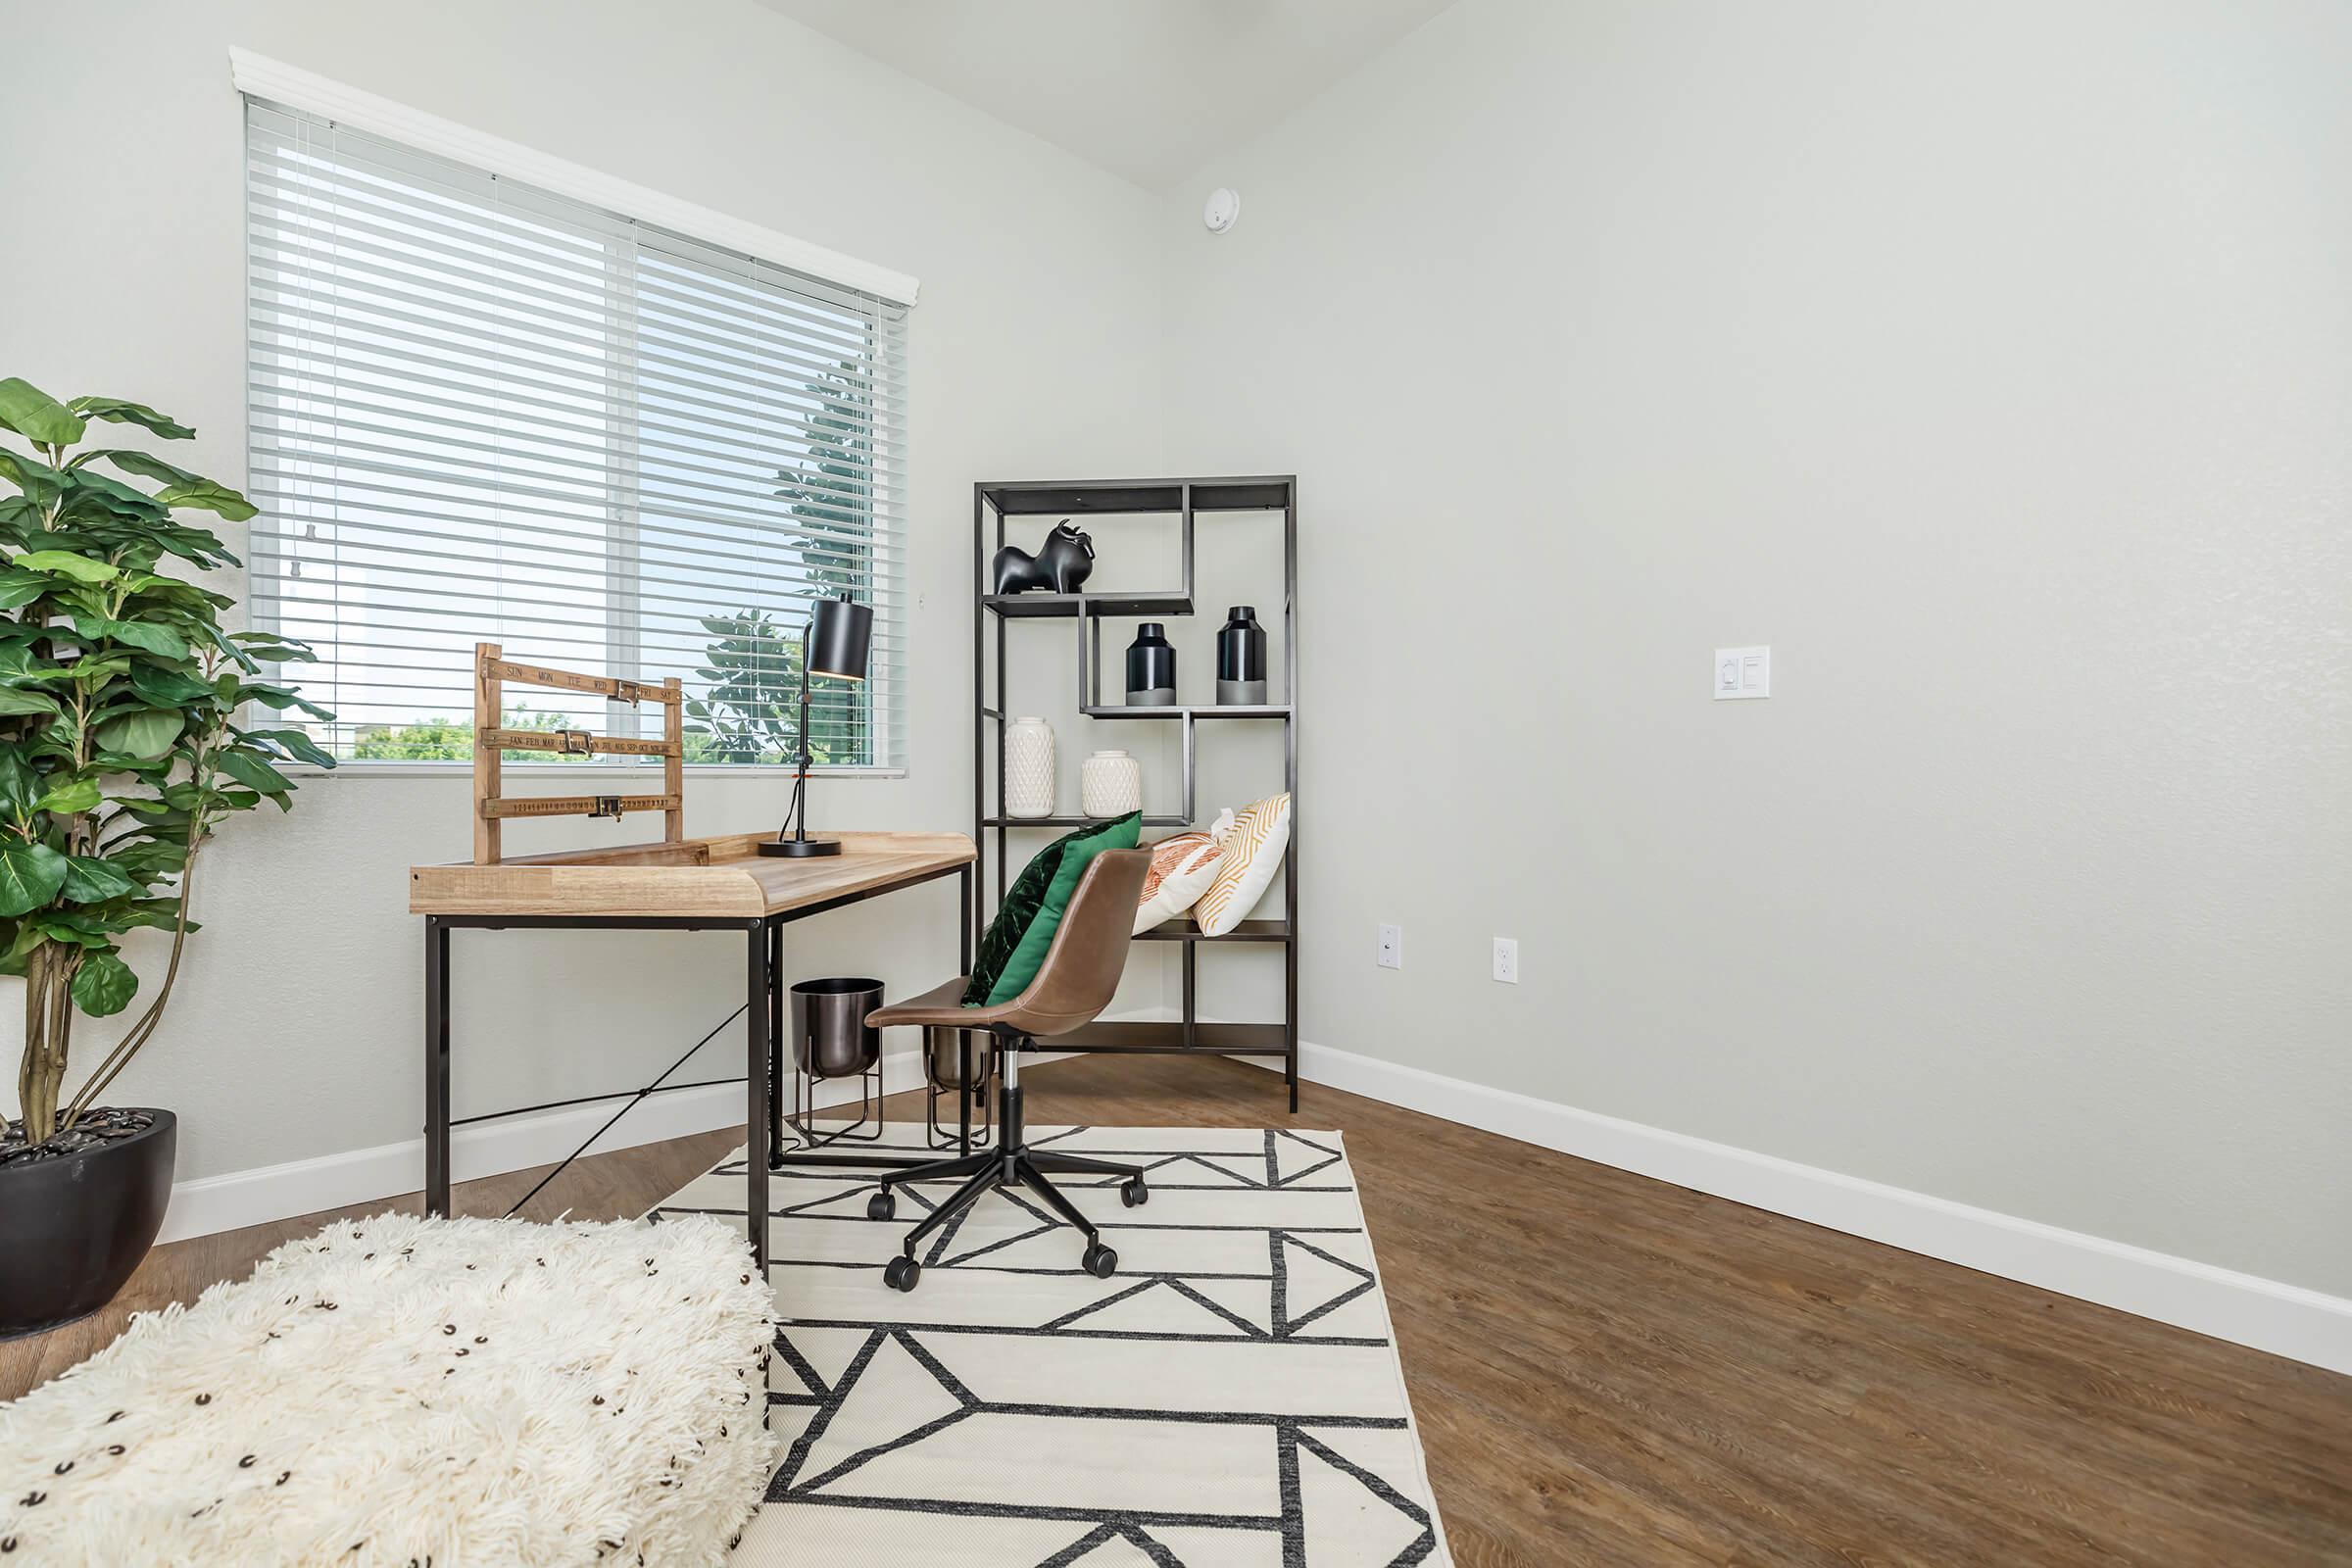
(1223, 205)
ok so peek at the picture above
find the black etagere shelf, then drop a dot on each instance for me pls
(1184, 498)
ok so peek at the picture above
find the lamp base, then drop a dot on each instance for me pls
(800, 849)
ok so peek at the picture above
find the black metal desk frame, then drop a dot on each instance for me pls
(763, 1031)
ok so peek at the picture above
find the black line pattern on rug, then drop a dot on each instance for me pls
(1307, 1274)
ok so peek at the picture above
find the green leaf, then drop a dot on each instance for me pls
(14, 700)
(121, 411)
(248, 769)
(296, 744)
(276, 697)
(33, 478)
(206, 496)
(103, 985)
(30, 876)
(90, 880)
(66, 563)
(146, 466)
(146, 634)
(168, 688)
(19, 783)
(76, 928)
(147, 733)
(88, 490)
(70, 799)
(37, 416)
(20, 588)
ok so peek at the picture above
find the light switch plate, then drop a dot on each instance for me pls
(1742, 672)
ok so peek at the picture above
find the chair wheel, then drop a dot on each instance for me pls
(1135, 1194)
(902, 1273)
(1099, 1261)
(882, 1206)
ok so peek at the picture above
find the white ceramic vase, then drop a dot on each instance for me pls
(1110, 784)
(1028, 768)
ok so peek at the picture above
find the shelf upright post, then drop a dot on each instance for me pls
(980, 586)
(1003, 718)
(1290, 767)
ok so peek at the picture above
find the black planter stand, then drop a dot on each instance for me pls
(73, 1229)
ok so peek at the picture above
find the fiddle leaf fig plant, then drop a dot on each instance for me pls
(121, 746)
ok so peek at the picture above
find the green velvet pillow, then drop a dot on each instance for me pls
(1023, 929)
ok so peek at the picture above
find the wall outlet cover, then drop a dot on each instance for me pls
(1392, 947)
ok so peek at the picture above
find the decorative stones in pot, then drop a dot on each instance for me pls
(1061, 564)
(1029, 769)
(1110, 784)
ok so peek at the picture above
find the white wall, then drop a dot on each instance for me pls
(1993, 364)
(296, 1033)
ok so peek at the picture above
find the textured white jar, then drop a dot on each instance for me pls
(1110, 784)
(1028, 768)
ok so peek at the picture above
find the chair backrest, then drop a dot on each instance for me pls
(1082, 967)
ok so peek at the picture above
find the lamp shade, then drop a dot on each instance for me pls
(841, 637)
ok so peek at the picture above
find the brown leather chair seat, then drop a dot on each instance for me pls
(1080, 973)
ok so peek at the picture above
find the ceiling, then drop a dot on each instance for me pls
(1148, 89)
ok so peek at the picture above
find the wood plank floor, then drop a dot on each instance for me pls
(1608, 1370)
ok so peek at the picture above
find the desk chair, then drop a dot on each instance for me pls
(1075, 982)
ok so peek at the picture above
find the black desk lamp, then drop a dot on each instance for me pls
(837, 641)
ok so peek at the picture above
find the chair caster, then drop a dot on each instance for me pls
(1099, 1261)
(882, 1206)
(901, 1273)
(1134, 1194)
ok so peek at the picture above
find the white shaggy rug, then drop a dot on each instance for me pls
(401, 1391)
(1230, 1399)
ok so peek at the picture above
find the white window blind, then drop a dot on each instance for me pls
(480, 411)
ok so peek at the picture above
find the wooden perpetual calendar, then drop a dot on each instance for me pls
(492, 807)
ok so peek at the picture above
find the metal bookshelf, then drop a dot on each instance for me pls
(992, 505)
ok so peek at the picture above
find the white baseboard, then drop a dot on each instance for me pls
(2245, 1309)
(212, 1203)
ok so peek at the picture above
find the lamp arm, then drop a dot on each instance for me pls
(797, 817)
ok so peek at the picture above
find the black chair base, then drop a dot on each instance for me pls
(1010, 1164)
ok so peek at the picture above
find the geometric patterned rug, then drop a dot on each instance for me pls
(1230, 1399)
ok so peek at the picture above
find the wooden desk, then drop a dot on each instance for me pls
(717, 884)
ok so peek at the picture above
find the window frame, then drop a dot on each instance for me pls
(282, 87)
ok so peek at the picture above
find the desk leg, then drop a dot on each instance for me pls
(436, 1066)
(775, 1047)
(963, 1037)
(757, 1091)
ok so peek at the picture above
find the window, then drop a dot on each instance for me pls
(480, 411)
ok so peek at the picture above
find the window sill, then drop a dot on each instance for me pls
(457, 771)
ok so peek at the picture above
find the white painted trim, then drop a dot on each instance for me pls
(2284, 1319)
(297, 88)
(213, 1203)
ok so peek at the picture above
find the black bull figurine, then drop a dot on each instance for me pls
(1062, 566)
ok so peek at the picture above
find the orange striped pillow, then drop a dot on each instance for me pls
(1182, 866)
(1251, 855)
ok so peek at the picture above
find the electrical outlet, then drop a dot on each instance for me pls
(1506, 959)
(1392, 947)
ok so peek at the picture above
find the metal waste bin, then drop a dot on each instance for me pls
(830, 1038)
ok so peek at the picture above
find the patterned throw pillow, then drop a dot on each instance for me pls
(1250, 854)
(1015, 944)
(1182, 868)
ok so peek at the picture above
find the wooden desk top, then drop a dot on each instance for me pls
(724, 877)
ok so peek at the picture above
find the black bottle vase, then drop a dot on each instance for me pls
(1242, 658)
(1150, 668)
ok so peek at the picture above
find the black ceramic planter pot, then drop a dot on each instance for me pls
(73, 1228)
